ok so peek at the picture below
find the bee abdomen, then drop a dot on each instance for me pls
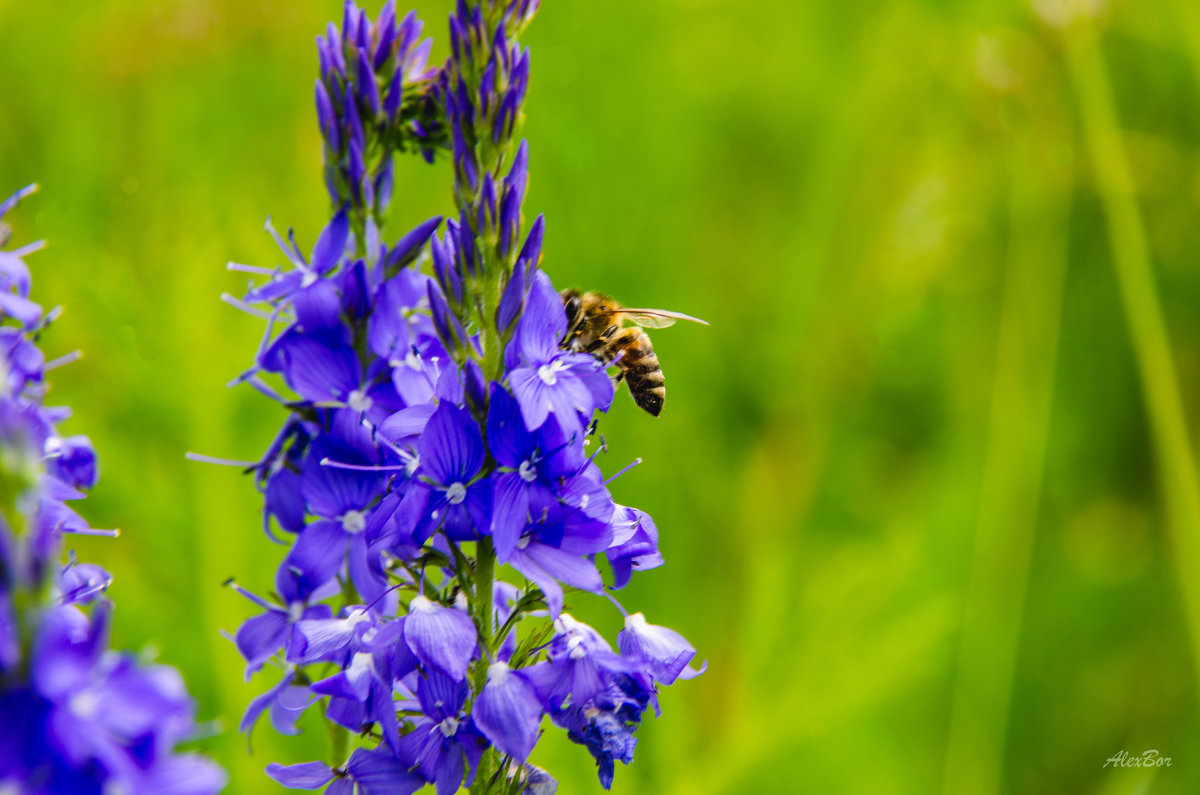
(643, 372)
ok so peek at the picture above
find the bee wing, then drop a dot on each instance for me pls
(656, 318)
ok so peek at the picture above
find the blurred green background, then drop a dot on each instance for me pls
(925, 488)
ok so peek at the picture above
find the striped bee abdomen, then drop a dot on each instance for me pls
(639, 365)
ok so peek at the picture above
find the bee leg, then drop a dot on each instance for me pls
(602, 339)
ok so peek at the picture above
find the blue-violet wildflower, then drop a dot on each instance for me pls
(437, 428)
(75, 715)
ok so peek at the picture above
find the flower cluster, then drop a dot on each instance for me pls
(75, 716)
(373, 98)
(438, 428)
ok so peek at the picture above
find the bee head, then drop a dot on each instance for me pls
(572, 303)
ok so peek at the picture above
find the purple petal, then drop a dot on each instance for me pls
(261, 702)
(665, 650)
(451, 447)
(379, 773)
(306, 775)
(510, 513)
(508, 712)
(259, 637)
(331, 245)
(442, 637)
(317, 554)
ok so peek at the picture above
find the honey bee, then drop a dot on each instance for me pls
(596, 324)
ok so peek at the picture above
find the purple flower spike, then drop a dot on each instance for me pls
(75, 716)
(441, 431)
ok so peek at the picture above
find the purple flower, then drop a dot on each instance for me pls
(374, 772)
(634, 545)
(508, 711)
(441, 431)
(444, 744)
(76, 716)
(663, 651)
(554, 550)
(451, 458)
(442, 638)
(551, 381)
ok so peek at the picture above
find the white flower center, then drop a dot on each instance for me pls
(456, 493)
(498, 671)
(354, 522)
(527, 471)
(295, 611)
(53, 447)
(583, 501)
(522, 542)
(448, 727)
(310, 278)
(549, 372)
(575, 649)
(85, 704)
(359, 401)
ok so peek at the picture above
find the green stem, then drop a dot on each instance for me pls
(1143, 313)
(485, 564)
(339, 743)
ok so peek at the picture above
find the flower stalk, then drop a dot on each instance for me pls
(434, 448)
